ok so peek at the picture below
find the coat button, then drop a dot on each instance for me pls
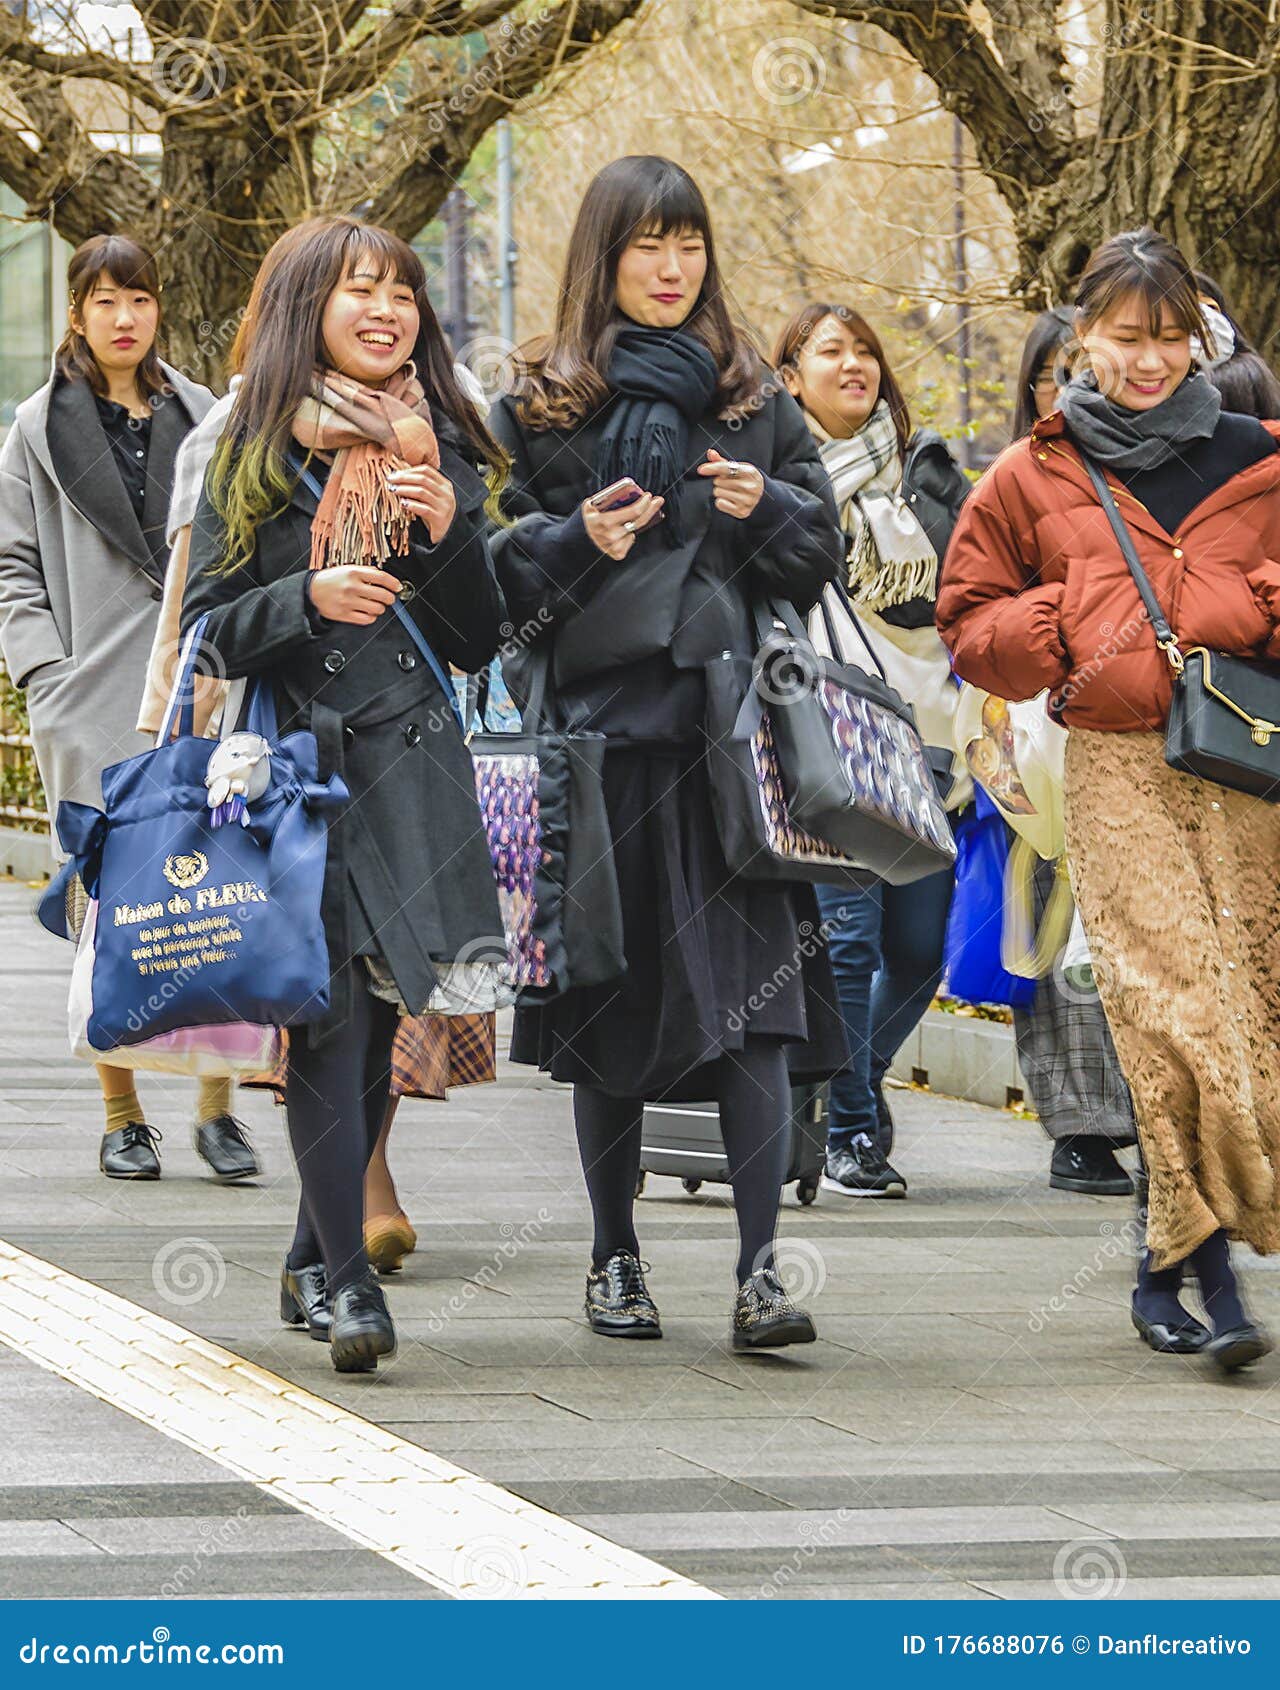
(407, 591)
(334, 662)
(412, 734)
(407, 660)
(348, 736)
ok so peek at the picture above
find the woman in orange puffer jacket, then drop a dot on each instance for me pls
(1177, 879)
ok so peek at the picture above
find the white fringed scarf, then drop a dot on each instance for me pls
(891, 559)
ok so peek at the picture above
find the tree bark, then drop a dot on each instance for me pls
(1187, 136)
(245, 99)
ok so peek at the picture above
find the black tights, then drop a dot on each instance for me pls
(336, 1099)
(755, 1108)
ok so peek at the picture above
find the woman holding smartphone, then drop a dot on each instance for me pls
(647, 381)
(344, 480)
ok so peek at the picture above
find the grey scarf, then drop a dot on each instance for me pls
(1123, 439)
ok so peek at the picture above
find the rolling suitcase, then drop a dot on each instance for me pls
(684, 1139)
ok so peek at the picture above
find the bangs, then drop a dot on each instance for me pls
(384, 254)
(1159, 307)
(122, 263)
(674, 207)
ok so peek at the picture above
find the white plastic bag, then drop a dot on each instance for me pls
(1017, 755)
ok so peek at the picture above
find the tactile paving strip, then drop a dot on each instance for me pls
(448, 1527)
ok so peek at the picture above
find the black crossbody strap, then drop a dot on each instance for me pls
(1166, 639)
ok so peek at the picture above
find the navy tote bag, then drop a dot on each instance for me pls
(198, 923)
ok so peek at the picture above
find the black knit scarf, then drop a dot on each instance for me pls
(664, 380)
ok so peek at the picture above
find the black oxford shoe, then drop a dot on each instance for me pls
(130, 1152)
(224, 1145)
(765, 1318)
(618, 1302)
(361, 1329)
(304, 1300)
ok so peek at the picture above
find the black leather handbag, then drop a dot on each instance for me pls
(1224, 719)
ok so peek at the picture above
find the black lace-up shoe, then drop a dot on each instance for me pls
(361, 1330)
(618, 1301)
(765, 1318)
(224, 1145)
(130, 1152)
(862, 1170)
(304, 1300)
(1088, 1165)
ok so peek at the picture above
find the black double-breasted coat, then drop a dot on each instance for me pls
(408, 873)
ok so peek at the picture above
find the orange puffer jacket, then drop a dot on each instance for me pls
(1035, 592)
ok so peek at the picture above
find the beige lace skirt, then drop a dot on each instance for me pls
(1178, 884)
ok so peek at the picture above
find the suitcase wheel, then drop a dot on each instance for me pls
(691, 1185)
(640, 1177)
(806, 1191)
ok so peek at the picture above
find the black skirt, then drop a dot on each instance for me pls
(710, 958)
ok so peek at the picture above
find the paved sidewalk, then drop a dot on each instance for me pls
(978, 1420)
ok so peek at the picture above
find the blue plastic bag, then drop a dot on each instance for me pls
(971, 955)
(199, 924)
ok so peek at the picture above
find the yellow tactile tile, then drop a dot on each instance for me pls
(448, 1527)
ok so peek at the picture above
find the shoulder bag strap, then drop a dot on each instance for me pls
(1166, 639)
(406, 621)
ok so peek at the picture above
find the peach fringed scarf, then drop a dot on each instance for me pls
(371, 431)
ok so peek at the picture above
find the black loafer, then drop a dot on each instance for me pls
(765, 1318)
(130, 1152)
(618, 1302)
(1187, 1338)
(1239, 1348)
(224, 1145)
(1088, 1165)
(361, 1330)
(304, 1300)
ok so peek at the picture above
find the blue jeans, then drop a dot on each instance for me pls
(885, 944)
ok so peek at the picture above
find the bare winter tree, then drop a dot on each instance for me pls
(266, 111)
(1104, 116)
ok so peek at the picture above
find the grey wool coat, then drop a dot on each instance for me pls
(81, 579)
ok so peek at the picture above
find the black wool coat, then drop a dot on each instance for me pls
(691, 599)
(408, 871)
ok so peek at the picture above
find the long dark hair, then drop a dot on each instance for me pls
(284, 344)
(1051, 331)
(1245, 380)
(560, 379)
(128, 264)
(795, 337)
(1141, 262)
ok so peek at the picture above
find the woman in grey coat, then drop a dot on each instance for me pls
(85, 477)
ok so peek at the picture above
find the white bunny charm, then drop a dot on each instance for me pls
(239, 771)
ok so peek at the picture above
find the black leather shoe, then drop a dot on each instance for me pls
(304, 1300)
(360, 1330)
(765, 1318)
(1187, 1338)
(130, 1152)
(1239, 1348)
(618, 1301)
(224, 1145)
(1088, 1165)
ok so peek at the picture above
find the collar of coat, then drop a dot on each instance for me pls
(1050, 448)
(60, 424)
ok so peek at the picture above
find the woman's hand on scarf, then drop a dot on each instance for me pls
(614, 531)
(427, 494)
(737, 488)
(353, 592)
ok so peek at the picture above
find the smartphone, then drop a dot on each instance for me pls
(620, 493)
